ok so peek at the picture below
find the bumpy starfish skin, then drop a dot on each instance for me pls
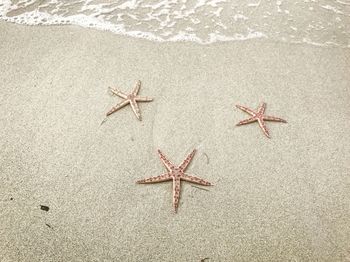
(260, 117)
(129, 99)
(176, 174)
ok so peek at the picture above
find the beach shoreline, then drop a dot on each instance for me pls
(278, 199)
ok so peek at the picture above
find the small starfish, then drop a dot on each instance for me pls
(176, 174)
(260, 117)
(129, 99)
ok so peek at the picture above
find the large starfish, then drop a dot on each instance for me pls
(129, 99)
(260, 117)
(175, 173)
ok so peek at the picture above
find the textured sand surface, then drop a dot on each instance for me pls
(283, 199)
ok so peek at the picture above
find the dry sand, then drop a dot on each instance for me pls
(281, 199)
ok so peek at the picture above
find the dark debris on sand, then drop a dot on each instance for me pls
(45, 208)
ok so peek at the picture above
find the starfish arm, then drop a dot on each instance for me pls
(188, 159)
(276, 119)
(117, 107)
(262, 108)
(117, 92)
(247, 110)
(155, 179)
(247, 121)
(165, 161)
(263, 127)
(135, 108)
(196, 180)
(176, 193)
(143, 99)
(136, 88)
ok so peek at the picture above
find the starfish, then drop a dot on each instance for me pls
(129, 99)
(175, 173)
(260, 117)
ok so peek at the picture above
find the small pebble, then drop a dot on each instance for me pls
(45, 208)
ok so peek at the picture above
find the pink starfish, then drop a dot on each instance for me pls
(260, 117)
(176, 174)
(129, 99)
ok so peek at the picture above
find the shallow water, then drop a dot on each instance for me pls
(316, 22)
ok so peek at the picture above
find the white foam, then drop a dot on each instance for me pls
(201, 21)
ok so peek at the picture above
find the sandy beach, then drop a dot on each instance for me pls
(281, 199)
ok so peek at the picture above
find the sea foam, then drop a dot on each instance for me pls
(316, 22)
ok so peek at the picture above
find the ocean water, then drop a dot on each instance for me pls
(315, 22)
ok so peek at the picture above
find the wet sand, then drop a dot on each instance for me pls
(281, 199)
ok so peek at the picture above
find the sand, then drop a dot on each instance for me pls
(281, 199)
